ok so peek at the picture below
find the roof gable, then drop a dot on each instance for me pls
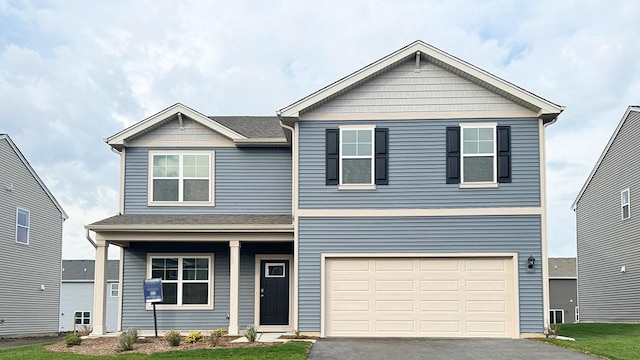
(423, 52)
(119, 140)
(630, 110)
(34, 174)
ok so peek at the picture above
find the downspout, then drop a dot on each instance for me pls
(293, 179)
(90, 239)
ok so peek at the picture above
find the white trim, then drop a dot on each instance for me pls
(604, 152)
(543, 221)
(419, 115)
(432, 54)
(357, 186)
(576, 314)
(267, 266)
(296, 252)
(180, 256)
(119, 139)
(111, 289)
(494, 155)
(28, 226)
(372, 130)
(514, 260)
(554, 316)
(256, 305)
(478, 185)
(181, 178)
(121, 274)
(420, 212)
(627, 204)
(123, 155)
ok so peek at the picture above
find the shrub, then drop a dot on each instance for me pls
(127, 339)
(194, 337)
(552, 330)
(73, 339)
(85, 330)
(251, 334)
(215, 335)
(172, 337)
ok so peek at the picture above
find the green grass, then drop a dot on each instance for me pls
(612, 341)
(292, 350)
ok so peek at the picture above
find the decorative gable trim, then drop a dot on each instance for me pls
(118, 141)
(34, 174)
(545, 109)
(604, 152)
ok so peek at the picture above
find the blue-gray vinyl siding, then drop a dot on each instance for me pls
(78, 296)
(417, 168)
(25, 309)
(134, 313)
(247, 181)
(471, 234)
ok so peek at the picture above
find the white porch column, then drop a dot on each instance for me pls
(234, 277)
(100, 288)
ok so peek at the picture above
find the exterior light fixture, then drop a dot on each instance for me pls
(531, 261)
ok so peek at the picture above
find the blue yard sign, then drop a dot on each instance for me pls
(152, 290)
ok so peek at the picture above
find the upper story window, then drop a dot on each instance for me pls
(181, 178)
(478, 154)
(23, 219)
(356, 155)
(187, 280)
(625, 204)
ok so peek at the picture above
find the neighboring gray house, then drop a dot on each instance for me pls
(608, 229)
(76, 294)
(30, 247)
(405, 199)
(563, 291)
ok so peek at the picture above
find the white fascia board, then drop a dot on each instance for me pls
(122, 136)
(192, 228)
(546, 107)
(604, 152)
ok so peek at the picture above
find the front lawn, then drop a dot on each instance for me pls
(292, 350)
(613, 341)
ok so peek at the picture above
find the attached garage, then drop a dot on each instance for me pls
(420, 296)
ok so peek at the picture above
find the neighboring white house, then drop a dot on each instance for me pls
(76, 294)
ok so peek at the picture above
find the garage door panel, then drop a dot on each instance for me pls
(463, 297)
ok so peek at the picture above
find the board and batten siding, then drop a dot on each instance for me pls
(471, 234)
(135, 267)
(605, 242)
(417, 169)
(402, 89)
(247, 181)
(24, 308)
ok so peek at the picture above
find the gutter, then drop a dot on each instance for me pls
(190, 228)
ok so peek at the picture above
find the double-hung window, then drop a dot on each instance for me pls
(478, 153)
(625, 204)
(187, 280)
(23, 219)
(356, 155)
(181, 178)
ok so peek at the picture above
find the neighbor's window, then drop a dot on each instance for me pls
(22, 226)
(82, 318)
(356, 155)
(625, 203)
(478, 163)
(114, 289)
(556, 316)
(181, 178)
(187, 281)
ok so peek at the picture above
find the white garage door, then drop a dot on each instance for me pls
(438, 297)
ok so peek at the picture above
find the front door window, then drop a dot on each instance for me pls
(274, 292)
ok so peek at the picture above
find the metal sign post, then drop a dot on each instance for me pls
(153, 294)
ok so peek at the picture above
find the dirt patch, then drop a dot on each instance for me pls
(148, 345)
(30, 340)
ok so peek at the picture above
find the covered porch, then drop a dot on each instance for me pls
(227, 271)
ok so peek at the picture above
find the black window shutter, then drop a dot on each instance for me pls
(453, 155)
(503, 135)
(382, 156)
(332, 146)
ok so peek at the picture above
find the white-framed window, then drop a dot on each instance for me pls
(274, 270)
(81, 318)
(114, 289)
(577, 314)
(23, 222)
(478, 163)
(625, 204)
(187, 280)
(357, 154)
(556, 316)
(181, 178)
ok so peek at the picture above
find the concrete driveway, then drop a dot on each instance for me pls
(450, 349)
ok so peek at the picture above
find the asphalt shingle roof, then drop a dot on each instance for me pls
(252, 126)
(75, 270)
(148, 219)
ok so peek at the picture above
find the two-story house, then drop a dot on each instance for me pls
(405, 199)
(30, 247)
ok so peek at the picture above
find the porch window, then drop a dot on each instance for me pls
(177, 178)
(187, 280)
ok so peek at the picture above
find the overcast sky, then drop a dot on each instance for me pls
(75, 72)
